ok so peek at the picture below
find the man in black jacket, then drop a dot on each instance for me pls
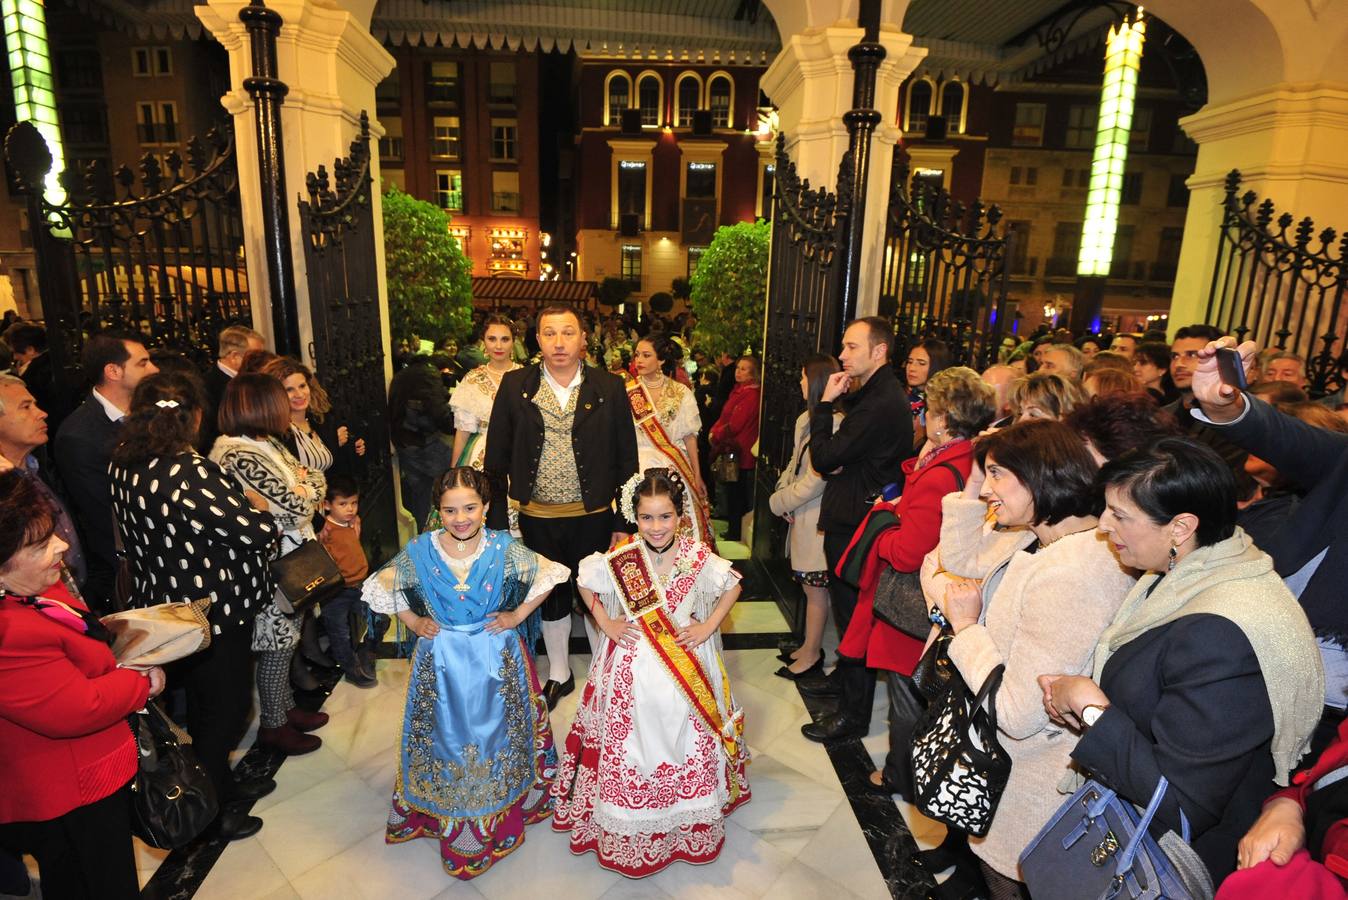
(115, 363)
(863, 456)
(232, 345)
(562, 432)
(1310, 550)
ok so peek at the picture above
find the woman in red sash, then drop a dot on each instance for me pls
(655, 759)
(667, 422)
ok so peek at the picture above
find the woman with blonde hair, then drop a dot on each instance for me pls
(1045, 395)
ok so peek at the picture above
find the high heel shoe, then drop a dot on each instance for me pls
(816, 669)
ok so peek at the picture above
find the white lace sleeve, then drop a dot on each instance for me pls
(688, 422)
(549, 575)
(718, 576)
(377, 592)
(593, 574)
(465, 412)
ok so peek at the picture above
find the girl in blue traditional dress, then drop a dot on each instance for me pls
(477, 758)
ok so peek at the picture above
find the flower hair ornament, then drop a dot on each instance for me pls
(166, 404)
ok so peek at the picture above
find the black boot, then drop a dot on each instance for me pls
(853, 718)
(309, 646)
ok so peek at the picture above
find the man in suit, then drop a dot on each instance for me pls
(232, 345)
(23, 431)
(115, 363)
(562, 432)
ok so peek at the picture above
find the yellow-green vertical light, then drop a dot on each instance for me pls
(1123, 58)
(30, 70)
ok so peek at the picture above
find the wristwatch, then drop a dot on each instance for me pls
(1091, 713)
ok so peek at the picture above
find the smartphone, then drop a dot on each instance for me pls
(1231, 368)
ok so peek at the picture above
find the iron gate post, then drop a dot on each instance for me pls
(861, 121)
(268, 93)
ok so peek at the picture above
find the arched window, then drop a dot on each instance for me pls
(687, 99)
(953, 96)
(618, 95)
(720, 98)
(649, 91)
(920, 96)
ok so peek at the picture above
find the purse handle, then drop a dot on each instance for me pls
(1147, 815)
(988, 692)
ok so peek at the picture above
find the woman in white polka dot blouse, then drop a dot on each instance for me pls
(189, 532)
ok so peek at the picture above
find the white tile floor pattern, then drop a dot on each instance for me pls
(324, 833)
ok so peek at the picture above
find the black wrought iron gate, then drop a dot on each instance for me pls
(337, 222)
(1278, 283)
(161, 254)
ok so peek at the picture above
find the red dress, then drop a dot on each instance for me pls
(64, 738)
(919, 510)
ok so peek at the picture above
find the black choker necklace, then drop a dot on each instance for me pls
(461, 545)
(659, 553)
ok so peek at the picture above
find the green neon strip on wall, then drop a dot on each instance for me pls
(1123, 58)
(30, 71)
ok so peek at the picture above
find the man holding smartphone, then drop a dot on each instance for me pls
(1184, 359)
(1310, 550)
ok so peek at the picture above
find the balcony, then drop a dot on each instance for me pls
(505, 201)
(1163, 272)
(1060, 267)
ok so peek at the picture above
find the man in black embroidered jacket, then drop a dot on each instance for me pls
(856, 461)
(563, 434)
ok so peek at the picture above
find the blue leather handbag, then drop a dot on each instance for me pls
(1096, 847)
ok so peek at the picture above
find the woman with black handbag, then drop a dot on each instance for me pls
(254, 418)
(1050, 585)
(887, 635)
(189, 533)
(67, 758)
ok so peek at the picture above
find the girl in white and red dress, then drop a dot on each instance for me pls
(655, 759)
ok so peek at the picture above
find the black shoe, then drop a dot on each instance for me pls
(556, 690)
(813, 671)
(366, 657)
(360, 678)
(833, 728)
(310, 648)
(821, 688)
(252, 789)
(235, 826)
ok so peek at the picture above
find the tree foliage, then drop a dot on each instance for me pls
(730, 289)
(613, 291)
(430, 284)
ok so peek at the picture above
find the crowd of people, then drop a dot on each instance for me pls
(1145, 556)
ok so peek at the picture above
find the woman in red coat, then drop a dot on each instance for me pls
(67, 755)
(959, 405)
(737, 429)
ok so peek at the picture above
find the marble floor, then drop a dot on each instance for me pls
(799, 836)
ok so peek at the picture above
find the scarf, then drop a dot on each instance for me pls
(1235, 580)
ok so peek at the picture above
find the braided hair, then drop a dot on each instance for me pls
(163, 420)
(660, 482)
(462, 477)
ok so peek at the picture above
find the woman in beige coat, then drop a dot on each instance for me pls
(796, 499)
(1050, 586)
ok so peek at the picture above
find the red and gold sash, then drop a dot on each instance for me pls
(638, 591)
(645, 415)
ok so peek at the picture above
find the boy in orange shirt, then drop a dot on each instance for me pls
(341, 536)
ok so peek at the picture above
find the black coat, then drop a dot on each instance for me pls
(1316, 461)
(1182, 410)
(214, 383)
(418, 405)
(1187, 701)
(603, 436)
(189, 532)
(83, 449)
(869, 448)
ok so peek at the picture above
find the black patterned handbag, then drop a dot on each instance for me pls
(959, 767)
(935, 669)
(172, 797)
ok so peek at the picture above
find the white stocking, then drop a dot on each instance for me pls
(556, 641)
(592, 632)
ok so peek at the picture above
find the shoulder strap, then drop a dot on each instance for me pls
(800, 460)
(959, 479)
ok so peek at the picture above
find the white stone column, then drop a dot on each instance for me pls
(1287, 141)
(331, 63)
(810, 82)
